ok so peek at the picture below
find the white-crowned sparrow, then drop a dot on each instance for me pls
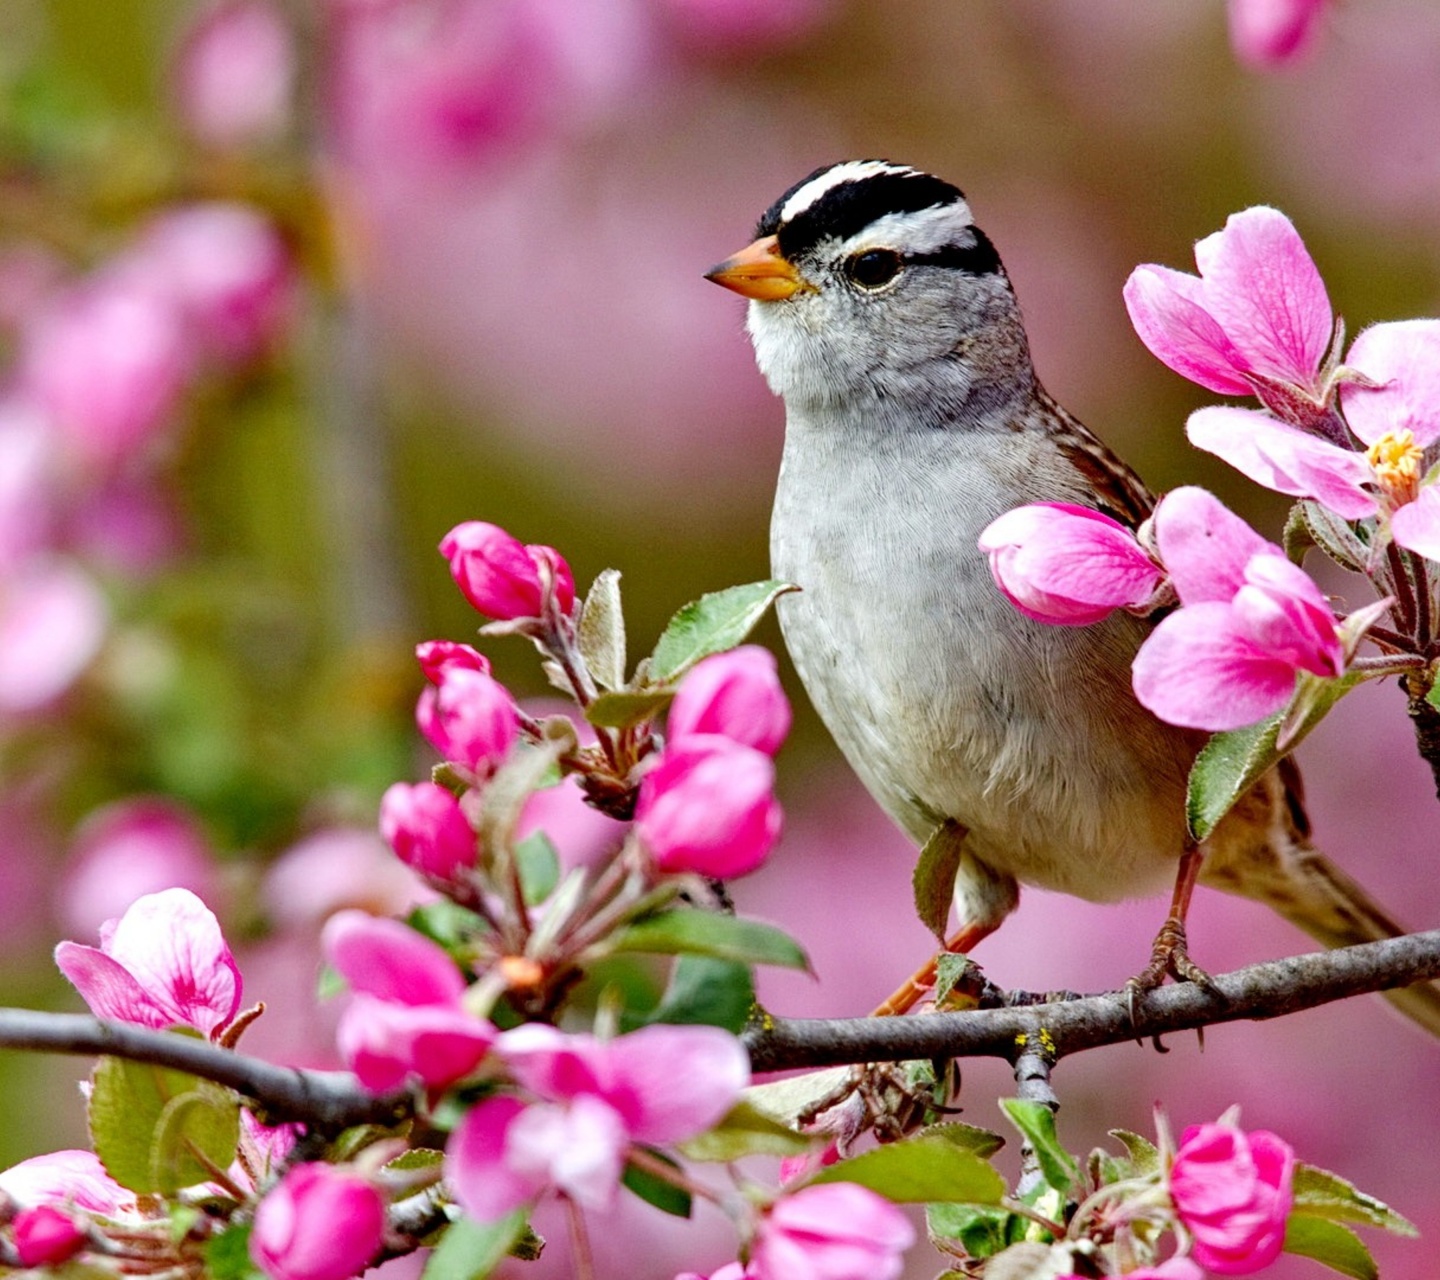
(884, 318)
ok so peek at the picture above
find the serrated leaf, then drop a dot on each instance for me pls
(705, 991)
(227, 1256)
(144, 1147)
(712, 624)
(471, 1250)
(787, 1101)
(1322, 1194)
(920, 1170)
(954, 973)
(1037, 1122)
(1144, 1154)
(968, 1137)
(1329, 1243)
(1332, 535)
(539, 866)
(601, 631)
(934, 878)
(745, 1130)
(1298, 537)
(626, 708)
(982, 1230)
(1232, 762)
(709, 933)
(1030, 1260)
(664, 1195)
(416, 1158)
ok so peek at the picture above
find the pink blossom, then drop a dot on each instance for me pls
(730, 1271)
(1399, 419)
(736, 695)
(108, 363)
(225, 270)
(503, 578)
(318, 1223)
(71, 1177)
(163, 963)
(53, 621)
(590, 1100)
(128, 525)
(1233, 1191)
(835, 1231)
(434, 656)
(1171, 1269)
(709, 807)
(1067, 565)
(425, 826)
(406, 1019)
(28, 467)
(235, 73)
(1258, 308)
(1273, 33)
(45, 1236)
(337, 867)
(469, 718)
(580, 833)
(135, 846)
(1250, 620)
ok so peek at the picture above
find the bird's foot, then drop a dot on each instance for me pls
(1169, 958)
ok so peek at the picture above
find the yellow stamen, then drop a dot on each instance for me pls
(1395, 459)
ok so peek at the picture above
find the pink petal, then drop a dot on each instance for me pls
(1265, 291)
(553, 1064)
(171, 944)
(579, 1148)
(1416, 525)
(52, 624)
(387, 1044)
(109, 988)
(1067, 565)
(69, 1177)
(1204, 545)
(486, 1186)
(1284, 612)
(1285, 459)
(389, 960)
(1270, 33)
(1168, 311)
(671, 1083)
(1405, 358)
(1200, 671)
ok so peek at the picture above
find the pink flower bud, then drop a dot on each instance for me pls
(1233, 1191)
(318, 1223)
(434, 656)
(737, 695)
(427, 829)
(235, 73)
(387, 1044)
(709, 807)
(1067, 565)
(835, 1231)
(469, 718)
(504, 578)
(44, 1236)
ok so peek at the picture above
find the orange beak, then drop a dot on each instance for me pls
(758, 271)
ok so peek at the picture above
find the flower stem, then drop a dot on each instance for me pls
(582, 1256)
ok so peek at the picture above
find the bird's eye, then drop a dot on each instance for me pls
(874, 268)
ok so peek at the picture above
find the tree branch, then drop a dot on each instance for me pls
(324, 1100)
(1259, 992)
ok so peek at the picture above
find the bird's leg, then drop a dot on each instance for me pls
(1169, 957)
(923, 979)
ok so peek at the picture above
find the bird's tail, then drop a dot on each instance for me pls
(1282, 869)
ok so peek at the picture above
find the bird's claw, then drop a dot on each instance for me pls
(1169, 957)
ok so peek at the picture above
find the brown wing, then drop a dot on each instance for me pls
(1119, 492)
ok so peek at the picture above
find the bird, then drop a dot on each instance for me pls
(884, 319)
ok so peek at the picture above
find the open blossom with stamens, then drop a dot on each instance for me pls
(1398, 418)
(1258, 309)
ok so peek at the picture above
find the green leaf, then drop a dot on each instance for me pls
(1298, 537)
(472, 1250)
(1232, 762)
(934, 879)
(446, 922)
(745, 1130)
(147, 1122)
(227, 1256)
(1144, 1154)
(919, 1170)
(955, 978)
(1322, 1194)
(706, 991)
(416, 1158)
(708, 933)
(539, 867)
(712, 624)
(625, 708)
(1334, 536)
(664, 1195)
(982, 1230)
(1037, 1122)
(787, 1101)
(968, 1137)
(601, 633)
(1328, 1242)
